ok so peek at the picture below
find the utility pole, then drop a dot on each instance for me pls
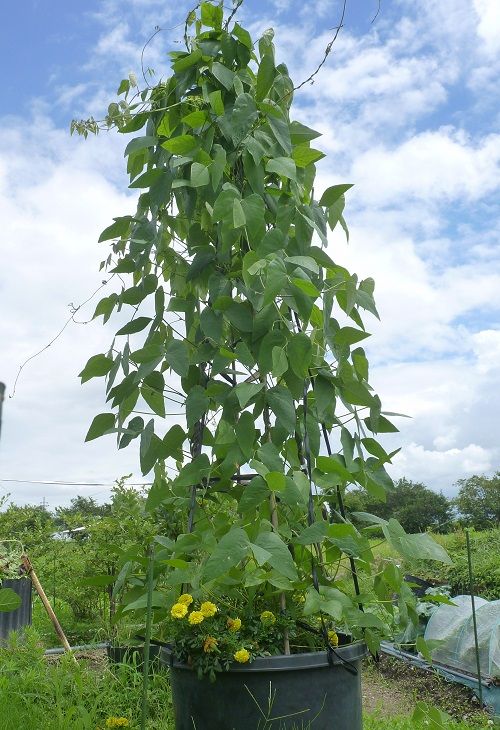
(2, 393)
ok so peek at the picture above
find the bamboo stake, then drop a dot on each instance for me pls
(38, 587)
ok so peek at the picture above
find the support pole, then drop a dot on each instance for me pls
(38, 587)
(474, 622)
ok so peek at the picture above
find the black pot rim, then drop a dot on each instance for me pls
(283, 662)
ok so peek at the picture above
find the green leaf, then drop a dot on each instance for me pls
(140, 143)
(281, 132)
(154, 399)
(200, 175)
(349, 335)
(197, 403)
(281, 559)
(158, 600)
(177, 356)
(383, 425)
(280, 362)
(419, 546)
(240, 315)
(299, 350)
(239, 218)
(218, 165)
(261, 556)
(242, 35)
(232, 548)
(211, 323)
(182, 145)
(103, 423)
(303, 155)
(172, 442)
(282, 166)
(223, 74)
(211, 15)
(275, 481)
(282, 405)
(9, 600)
(331, 195)
(194, 472)
(265, 76)
(96, 367)
(245, 434)
(135, 325)
(215, 98)
(254, 493)
(223, 206)
(276, 279)
(431, 718)
(246, 391)
(119, 228)
(306, 286)
(147, 179)
(301, 134)
(315, 533)
(244, 115)
(190, 59)
(333, 465)
(254, 209)
(196, 119)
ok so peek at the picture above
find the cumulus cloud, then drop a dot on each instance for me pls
(426, 162)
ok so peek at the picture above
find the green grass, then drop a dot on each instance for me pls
(66, 695)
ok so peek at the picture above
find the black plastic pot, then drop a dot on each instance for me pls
(296, 692)
(21, 617)
(133, 655)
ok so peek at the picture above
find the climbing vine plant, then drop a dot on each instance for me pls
(241, 319)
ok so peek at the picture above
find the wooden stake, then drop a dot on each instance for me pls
(38, 587)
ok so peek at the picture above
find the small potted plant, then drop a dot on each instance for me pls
(15, 589)
(128, 648)
(242, 320)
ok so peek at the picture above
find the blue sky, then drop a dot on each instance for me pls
(409, 111)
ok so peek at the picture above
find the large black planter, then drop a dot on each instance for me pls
(271, 693)
(21, 617)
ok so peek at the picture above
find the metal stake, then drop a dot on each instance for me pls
(474, 622)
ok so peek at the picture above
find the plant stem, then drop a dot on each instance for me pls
(147, 640)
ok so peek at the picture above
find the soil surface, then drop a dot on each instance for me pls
(392, 687)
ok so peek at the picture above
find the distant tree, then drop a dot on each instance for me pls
(478, 501)
(29, 523)
(414, 505)
(80, 510)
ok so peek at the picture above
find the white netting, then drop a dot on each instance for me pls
(453, 626)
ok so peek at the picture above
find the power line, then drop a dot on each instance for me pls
(72, 484)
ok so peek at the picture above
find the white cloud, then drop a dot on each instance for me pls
(441, 468)
(488, 27)
(437, 166)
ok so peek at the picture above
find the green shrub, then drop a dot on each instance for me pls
(486, 569)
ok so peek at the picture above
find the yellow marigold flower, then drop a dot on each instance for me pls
(195, 617)
(117, 722)
(209, 644)
(242, 656)
(186, 599)
(333, 638)
(268, 618)
(234, 624)
(208, 609)
(178, 610)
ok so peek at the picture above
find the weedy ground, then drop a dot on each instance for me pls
(60, 694)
